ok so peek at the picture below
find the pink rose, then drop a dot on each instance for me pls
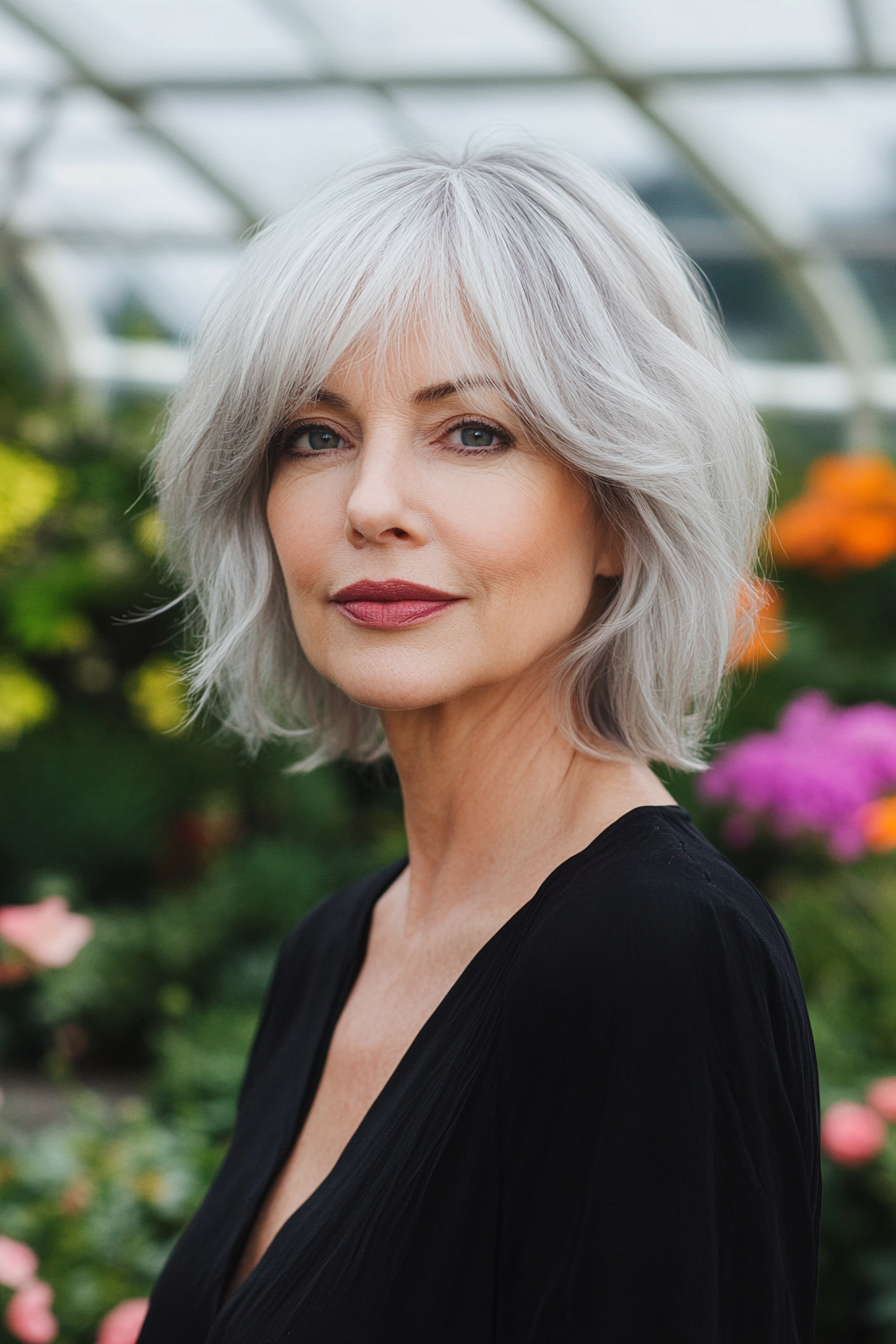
(852, 1134)
(28, 1315)
(122, 1324)
(18, 1263)
(881, 1096)
(47, 932)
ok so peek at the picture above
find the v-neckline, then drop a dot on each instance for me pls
(344, 984)
(341, 994)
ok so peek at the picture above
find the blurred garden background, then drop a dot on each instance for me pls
(148, 871)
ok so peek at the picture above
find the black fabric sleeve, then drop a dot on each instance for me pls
(658, 1118)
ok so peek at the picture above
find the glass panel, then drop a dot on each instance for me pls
(761, 316)
(144, 39)
(276, 146)
(98, 173)
(824, 151)
(173, 284)
(880, 15)
(18, 113)
(431, 37)
(702, 34)
(23, 57)
(590, 119)
(877, 275)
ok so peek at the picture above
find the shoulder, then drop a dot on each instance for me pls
(321, 949)
(650, 963)
(314, 961)
(331, 924)
(652, 883)
(653, 918)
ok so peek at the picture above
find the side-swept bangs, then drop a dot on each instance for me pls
(605, 344)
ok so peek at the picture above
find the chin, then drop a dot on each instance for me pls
(395, 689)
(395, 699)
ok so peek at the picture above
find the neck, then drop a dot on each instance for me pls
(495, 797)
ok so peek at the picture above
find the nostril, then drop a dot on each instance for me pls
(400, 533)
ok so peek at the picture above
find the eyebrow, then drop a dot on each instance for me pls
(425, 397)
(324, 397)
(439, 391)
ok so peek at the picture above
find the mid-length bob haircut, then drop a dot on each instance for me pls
(607, 350)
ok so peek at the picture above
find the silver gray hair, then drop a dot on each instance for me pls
(610, 354)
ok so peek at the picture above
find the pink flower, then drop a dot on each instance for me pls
(18, 1263)
(816, 774)
(122, 1324)
(852, 1134)
(47, 932)
(28, 1315)
(881, 1096)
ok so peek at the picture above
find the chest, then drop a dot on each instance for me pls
(399, 987)
(383, 1015)
(392, 1000)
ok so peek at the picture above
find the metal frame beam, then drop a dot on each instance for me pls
(140, 91)
(46, 111)
(861, 33)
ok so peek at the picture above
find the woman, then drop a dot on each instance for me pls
(462, 473)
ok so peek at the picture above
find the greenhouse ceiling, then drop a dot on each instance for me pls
(141, 139)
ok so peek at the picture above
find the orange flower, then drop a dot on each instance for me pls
(767, 636)
(862, 478)
(845, 519)
(878, 821)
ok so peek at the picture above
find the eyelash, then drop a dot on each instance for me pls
(504, 440)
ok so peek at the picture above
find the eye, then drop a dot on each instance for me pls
(317, 438)
(307, 440)
(477, 436)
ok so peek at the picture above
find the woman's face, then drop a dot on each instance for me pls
(429, 550)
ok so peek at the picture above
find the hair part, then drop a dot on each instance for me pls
(607, 349)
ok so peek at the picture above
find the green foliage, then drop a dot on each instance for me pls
(101, 1201)
(201, 1060)
(189, 947)
(842, 926)
(857, 1269)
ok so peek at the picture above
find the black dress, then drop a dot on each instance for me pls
(606, 1133)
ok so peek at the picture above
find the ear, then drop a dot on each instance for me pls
(610, 552)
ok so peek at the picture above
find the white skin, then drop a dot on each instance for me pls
(495, 797)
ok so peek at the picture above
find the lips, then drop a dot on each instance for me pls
(391, 603)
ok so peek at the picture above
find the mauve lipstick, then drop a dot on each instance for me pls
(391, 603)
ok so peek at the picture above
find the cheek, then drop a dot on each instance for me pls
(533, 542)
(304, 525)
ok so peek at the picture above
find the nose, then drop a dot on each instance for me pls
(380, 507)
